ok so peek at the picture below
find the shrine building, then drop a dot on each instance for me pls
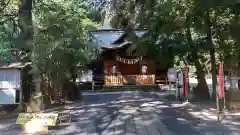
(118, 62)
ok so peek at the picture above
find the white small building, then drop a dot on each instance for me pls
(15, 82)
(86, 76)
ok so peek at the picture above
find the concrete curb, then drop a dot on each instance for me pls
(10, 116)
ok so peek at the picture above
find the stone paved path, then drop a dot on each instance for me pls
(129, 113)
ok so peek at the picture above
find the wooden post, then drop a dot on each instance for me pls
(170, 88)
(224, 99)
(217, 102)
(177, 89)
(21, 105)
(93, 85)
(185, 83)
(223, 79)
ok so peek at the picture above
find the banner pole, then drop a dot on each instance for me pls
(217, 95)
(224, 97)
(220, 92)
(188, 85)
(176, 94)
(217, 103)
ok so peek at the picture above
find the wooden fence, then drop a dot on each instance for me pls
(145, 79)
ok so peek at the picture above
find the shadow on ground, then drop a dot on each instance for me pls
(139, 113)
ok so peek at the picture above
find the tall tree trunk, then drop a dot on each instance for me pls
(25, 38)
(236, 35)
(201, 91)
(24, 41)
(212, 54)
(74, 88)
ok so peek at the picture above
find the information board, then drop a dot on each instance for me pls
(7, 96)
(86, 76)
(47, 119)
(172, 75)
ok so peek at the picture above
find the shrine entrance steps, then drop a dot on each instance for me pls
(146, 88)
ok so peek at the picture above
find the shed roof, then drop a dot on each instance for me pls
(16, 65)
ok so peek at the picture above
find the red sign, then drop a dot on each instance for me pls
(221, 93)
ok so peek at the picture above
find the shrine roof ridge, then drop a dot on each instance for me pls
(111, 29)
(106, 37)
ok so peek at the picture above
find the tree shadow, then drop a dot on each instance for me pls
(202, 117)
(121, 115)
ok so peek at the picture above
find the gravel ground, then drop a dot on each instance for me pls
(131, 113)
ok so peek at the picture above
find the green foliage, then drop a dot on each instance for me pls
(8, 11)
(166, 22)
(52, 35)
(60, 42)
(198, 32)
(8, 15)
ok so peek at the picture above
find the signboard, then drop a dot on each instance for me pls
(7, 96)
(47, 119)
(227, 82)
(10, 79)
(64, 118)
(172, 75)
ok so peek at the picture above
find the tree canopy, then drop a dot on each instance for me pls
(50, 34)
(195, 33)
(198, 32)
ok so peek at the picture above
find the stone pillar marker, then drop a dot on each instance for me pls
(35, 105)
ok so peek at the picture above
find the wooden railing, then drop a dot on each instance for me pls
(113, 80)
(126, 79)
(145, 79)
(161, 79)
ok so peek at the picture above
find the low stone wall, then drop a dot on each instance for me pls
(233, 99)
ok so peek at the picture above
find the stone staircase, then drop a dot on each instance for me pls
(131, 88)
